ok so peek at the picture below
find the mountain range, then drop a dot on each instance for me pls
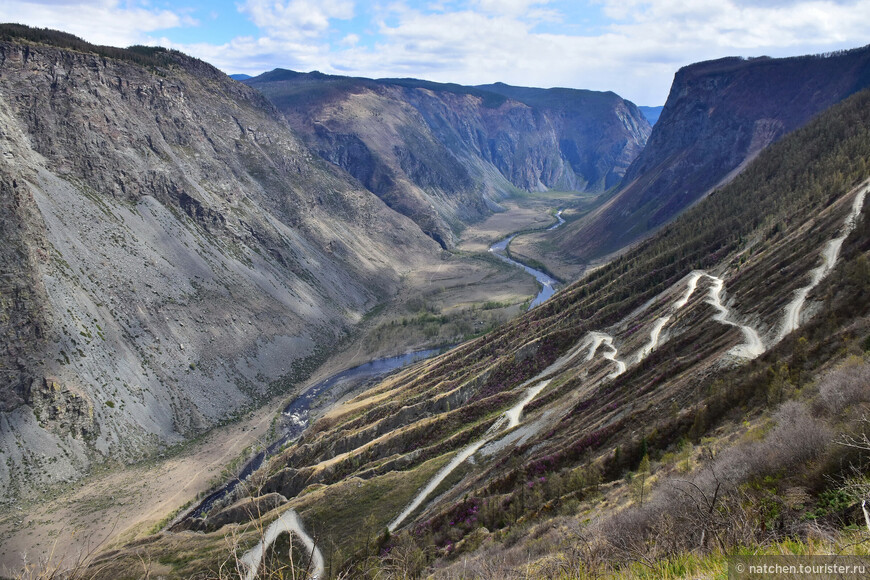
(181, 247)
(718, 116)
(445, 154)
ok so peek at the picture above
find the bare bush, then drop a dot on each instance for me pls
(86, 565)
(798, 436)
(713, 508)
(486, 563)
(405, 559)
(626, 532)
(846, 386)
(585, 554)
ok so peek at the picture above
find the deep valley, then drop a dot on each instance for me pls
(212, 289)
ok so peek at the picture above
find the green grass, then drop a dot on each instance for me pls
(349, 510)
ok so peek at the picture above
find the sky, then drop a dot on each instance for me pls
(631, 47)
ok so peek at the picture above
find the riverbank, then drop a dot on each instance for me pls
(296, 416)
(546, 282)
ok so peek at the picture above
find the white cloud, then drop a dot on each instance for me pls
(99, 21)
(507, 7)
(740, 24)
(636, 56)
(637, 46)
(350, 40)
(255, 55)
(294, 18)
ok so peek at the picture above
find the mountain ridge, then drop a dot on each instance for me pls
(719, 115)
(444, 154)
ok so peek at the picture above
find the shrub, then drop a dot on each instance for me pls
(798, 436)
(846, 386)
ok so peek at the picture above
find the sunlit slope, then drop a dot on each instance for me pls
(171, 249)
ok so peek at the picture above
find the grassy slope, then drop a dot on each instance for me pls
(746, 233)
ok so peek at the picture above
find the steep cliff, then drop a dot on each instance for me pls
(599, 134)
(442, 154)
(719, 115)
(171, 254)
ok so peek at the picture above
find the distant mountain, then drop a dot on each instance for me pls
(240, 77)
(591, 127)
(652, 114)
(719, 115)
(444, 154)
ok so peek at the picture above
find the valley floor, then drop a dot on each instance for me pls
(468, 293)
(116, 505)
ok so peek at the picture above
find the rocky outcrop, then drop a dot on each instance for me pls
(719, 115)
(598, 136)
(289, 482)
(243, 511)
(445, 154)
(23, 318)
(64, 409)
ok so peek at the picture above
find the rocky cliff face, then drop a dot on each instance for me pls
(23, 318)
(599, 134)
(718, 117)
(444, 154)
(171, 253)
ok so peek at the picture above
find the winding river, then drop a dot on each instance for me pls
(548, 284)
(297, 418)
(297, 412)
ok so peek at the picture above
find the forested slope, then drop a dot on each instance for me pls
(719, 115)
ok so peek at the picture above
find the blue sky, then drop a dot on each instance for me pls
(632, 47)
